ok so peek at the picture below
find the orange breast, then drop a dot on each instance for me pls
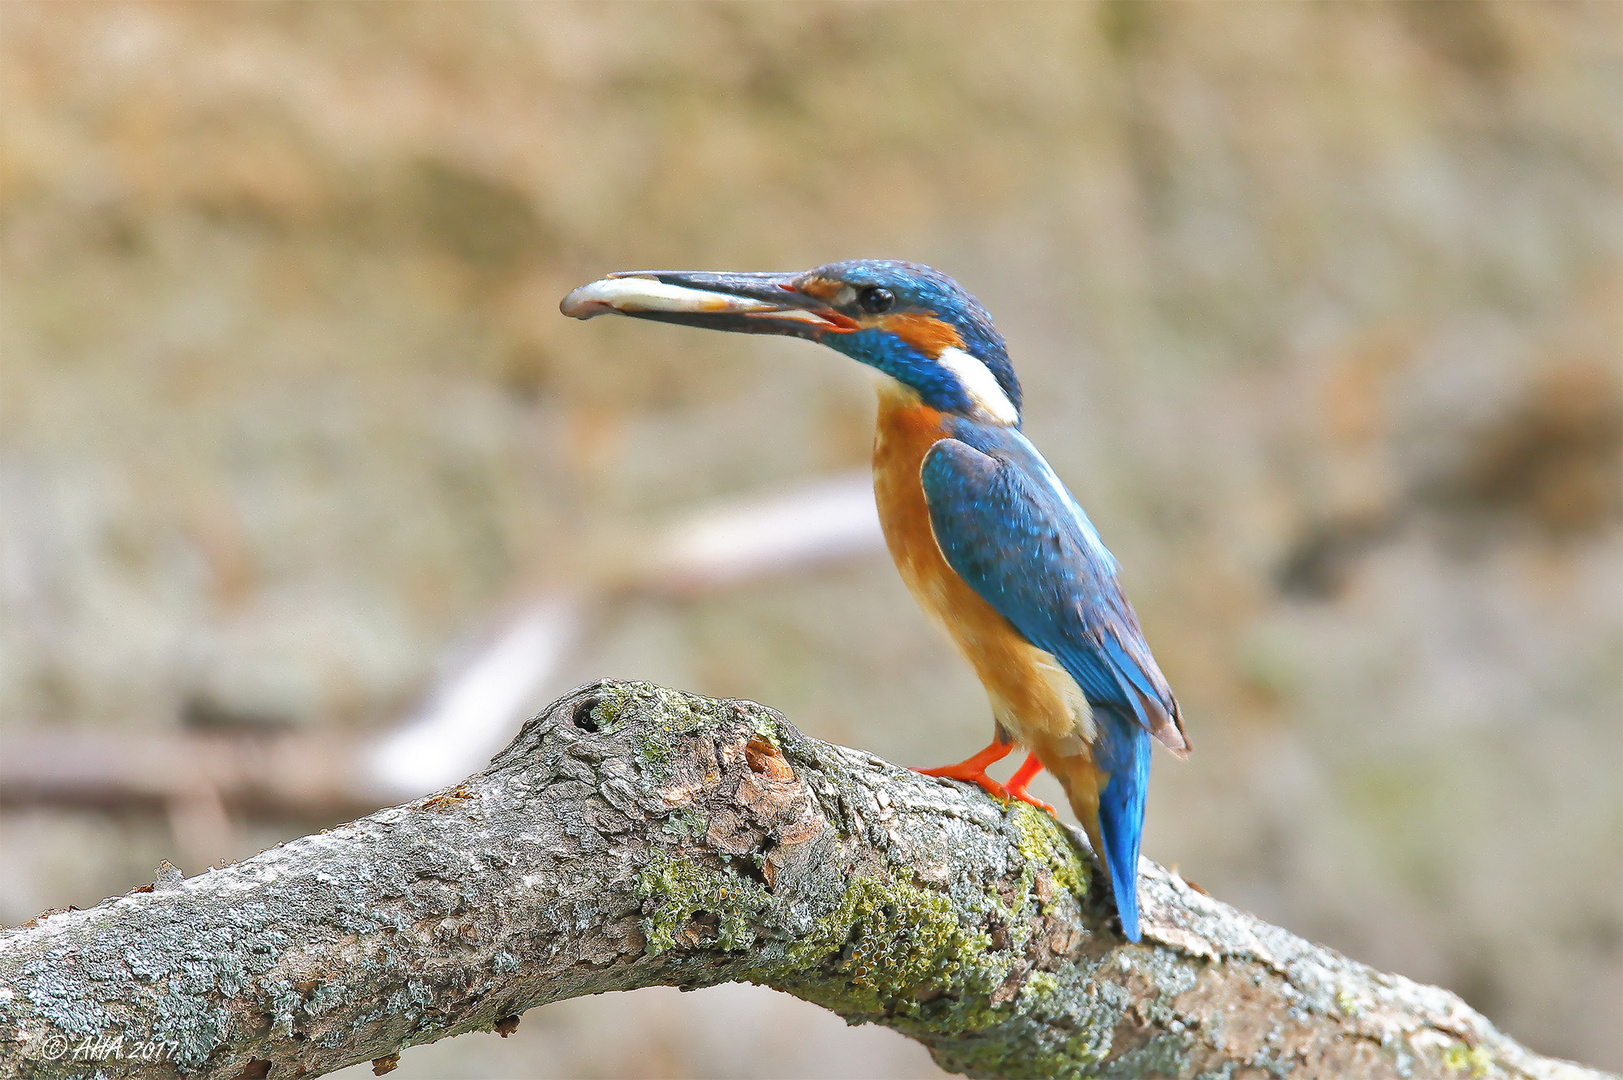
(1032, 697)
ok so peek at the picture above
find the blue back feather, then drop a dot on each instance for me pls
(1015, 535)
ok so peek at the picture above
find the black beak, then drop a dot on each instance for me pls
(747, 303)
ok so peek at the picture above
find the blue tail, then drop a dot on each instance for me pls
(1123, 749)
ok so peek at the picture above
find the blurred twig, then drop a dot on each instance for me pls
(302, 776)
(468, 715)
(200, 781)
(632, 836)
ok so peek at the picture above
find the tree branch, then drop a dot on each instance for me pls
(634, 836)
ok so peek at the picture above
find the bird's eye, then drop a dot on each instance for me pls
(876, 300)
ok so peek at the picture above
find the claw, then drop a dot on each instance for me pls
(974, 769)
(1016, 787)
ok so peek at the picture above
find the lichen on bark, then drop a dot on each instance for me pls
(633, 836)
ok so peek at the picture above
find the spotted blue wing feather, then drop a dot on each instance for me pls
(1015, 535)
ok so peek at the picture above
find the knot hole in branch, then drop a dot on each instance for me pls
(582, 714)
(766, 759)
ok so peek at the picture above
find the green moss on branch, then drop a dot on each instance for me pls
(634, 836)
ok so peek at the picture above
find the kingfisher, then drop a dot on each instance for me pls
(988, 540)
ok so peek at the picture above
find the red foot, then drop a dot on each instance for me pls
(1016, 788)
(974, 769)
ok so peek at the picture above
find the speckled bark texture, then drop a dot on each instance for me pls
(634, 836)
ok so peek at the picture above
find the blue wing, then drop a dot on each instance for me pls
(1008, 527)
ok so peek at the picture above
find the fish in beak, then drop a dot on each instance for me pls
(755, 303)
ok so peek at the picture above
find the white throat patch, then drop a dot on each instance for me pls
(981, 385)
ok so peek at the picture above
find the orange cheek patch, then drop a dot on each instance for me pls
(926, 333)
(822, 288)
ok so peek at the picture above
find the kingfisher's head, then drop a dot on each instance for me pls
(909, 322)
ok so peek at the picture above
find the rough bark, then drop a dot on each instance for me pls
(633, 836)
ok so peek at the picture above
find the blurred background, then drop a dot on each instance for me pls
(1317, 308)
